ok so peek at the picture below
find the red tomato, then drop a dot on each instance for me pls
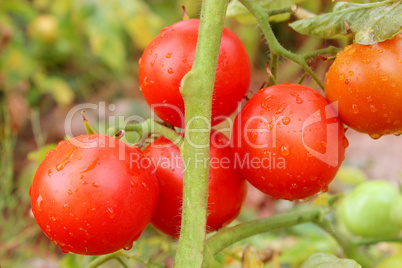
(227, 188)
(367, 83)
(90, 197)
(288, 141)
(170, 56)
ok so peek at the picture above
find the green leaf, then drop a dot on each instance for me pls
(371, 23)
(40, 154)
(241, 13)
(323, 260)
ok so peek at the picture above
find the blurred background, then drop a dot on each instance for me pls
(57, 54)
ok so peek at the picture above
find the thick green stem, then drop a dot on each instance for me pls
(329, 50)
(263, 20)
(150, 126)
(228, 236)
(197, 88)
(102, 259)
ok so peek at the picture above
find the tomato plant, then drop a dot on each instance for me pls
(366, 210)
(170, 56)
(227, 187)
(89, 198)
(295, 139)
(365, 80)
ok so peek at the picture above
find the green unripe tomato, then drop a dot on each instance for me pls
(396, 212)
(366, 210)
(391, 262)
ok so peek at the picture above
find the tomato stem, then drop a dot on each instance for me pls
(150, 126)
(228, 236)
(196, 89)
(262, 18)
(87, 125)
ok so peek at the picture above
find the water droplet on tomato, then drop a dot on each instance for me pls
(366, 61)
(53, 218)
(375, 136)
(393, 84)
(145, 82)
(294, 186)
(351, 73)
(355, 110)
(369, 99)
(65, 206)
(269, 125)
(309, 155)
(380, 51)
(373, 108)
(70, 192)
(65, 250)
(170, 70)
(384, 78)
(285, 150)
(96, 185)
(140, 61)
(341, 77)
(281, 107)
(150, 51)
(92, 165)
(286, 120)
(48, 229)
(324, 189)
(110, 213)
(79, 157)
(304, 200)
(154, 59)
(54, 202)
(351, 51)
(345, 142)
(168, 55)
(397, 122)
(39, 202)
(49, 173)
(398, 133)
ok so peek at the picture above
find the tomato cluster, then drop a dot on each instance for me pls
(91, 195)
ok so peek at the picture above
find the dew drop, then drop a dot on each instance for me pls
(324, 189)
(393, 84)
(70, 192)
(351, 51)
(39, 202)
(150, 51)
(309, 155)
(253, 135)
(49, 173)
(294, 186)
(286, 120)
(110, 213)
(366, 61)
(54, 202)
(265, 103)
(168, 55)
(285, 150)
(145, 82)
(128, 247)
(375, 136)
(369, 99)
(355, 110)
(170, 70)
(62, 164)
(380, 51)
(351, 73)
(373, 108)
(65, 206)
(345, 142)
(384, 78)
(341, 77)
(48, 229)
(53, 218)
(79, 157)
(299, 100)
(281, 107)
(397, 122)
(96, 185)
(346, 81)
(398, 133)
(145, 186)
(304, 200)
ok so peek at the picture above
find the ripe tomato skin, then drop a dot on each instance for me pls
(89, 202)
(366, 210)
(227, 188)
(269, 138)
(366, 81)
(170, 56)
